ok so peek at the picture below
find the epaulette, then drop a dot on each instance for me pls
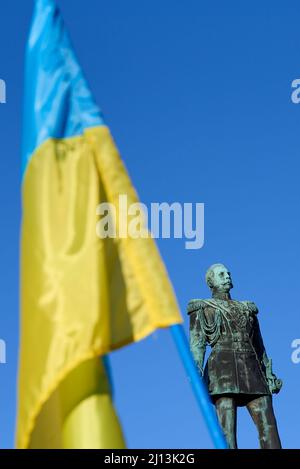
(194, 305)
(252, 306)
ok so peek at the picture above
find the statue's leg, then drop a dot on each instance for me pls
(226, 412)
(262, 413)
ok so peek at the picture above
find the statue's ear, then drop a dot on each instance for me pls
(209, 280)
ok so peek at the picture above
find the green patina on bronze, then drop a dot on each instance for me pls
(238, 371)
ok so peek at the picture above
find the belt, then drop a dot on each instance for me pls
(239, 342)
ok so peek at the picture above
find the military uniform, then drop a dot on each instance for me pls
(238, 363)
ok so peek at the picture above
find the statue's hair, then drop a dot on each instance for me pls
(210, 273)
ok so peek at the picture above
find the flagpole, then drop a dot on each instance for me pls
(198, 386)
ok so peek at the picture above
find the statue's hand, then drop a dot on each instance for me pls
(275, 384)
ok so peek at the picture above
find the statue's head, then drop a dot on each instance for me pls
(218, 278)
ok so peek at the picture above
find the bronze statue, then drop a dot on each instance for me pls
(238, 371)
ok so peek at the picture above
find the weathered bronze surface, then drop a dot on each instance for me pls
(238, 371)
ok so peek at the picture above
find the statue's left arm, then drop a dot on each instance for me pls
(274, 383)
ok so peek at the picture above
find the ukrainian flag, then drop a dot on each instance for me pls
(81, 296)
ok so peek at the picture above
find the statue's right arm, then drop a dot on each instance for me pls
(197, 340)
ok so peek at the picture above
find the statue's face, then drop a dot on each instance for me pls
(221, 280)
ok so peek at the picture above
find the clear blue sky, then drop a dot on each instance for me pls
(197, 95)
